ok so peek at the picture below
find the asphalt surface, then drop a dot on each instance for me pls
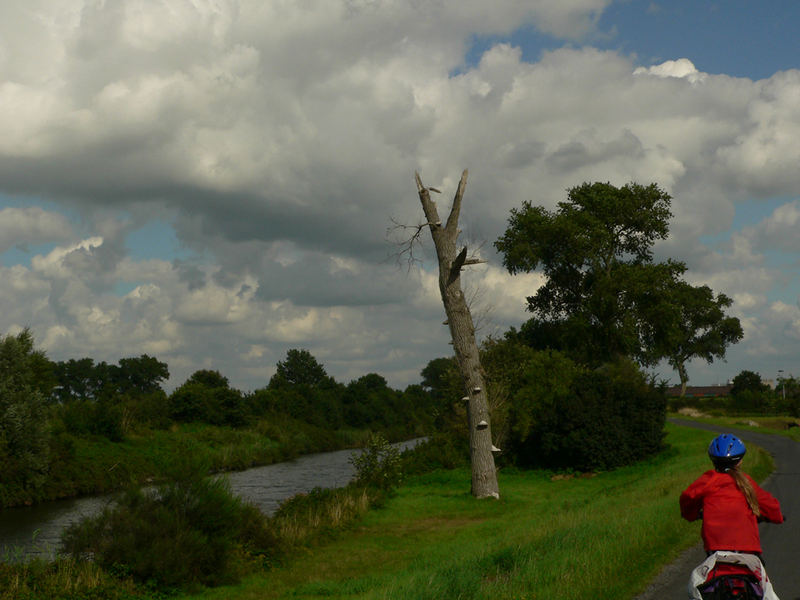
(781, 543)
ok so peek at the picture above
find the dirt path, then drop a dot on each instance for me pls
(781, 543)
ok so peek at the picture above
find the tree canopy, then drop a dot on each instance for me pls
(748, 381)
(299, 368)
(605, 297)
(24, 435)
(695, 326)
(86, 380)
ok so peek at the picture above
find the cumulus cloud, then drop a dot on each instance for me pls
(682, 68)
(280, 140)
(779, 230)
(24, 226)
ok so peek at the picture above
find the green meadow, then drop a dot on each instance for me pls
(603, 535)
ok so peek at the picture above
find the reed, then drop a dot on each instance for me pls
(306, 517)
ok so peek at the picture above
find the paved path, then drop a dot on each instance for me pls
(781, 543)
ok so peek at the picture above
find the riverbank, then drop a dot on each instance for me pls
(603, 536)
(91, 465)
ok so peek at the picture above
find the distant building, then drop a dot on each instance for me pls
(701, 391)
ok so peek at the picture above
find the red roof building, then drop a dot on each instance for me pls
(701, 391)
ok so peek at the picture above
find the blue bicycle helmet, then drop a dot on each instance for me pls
(726, 451)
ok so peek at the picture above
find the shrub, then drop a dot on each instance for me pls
(206, 397)
(84, 417)
(180, 533)
(147, 410)
(440, 451)
(567, 417)
(378, 465)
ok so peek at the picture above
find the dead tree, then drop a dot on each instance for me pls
(462, 331)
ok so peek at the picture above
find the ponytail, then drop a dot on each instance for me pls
(744, 485)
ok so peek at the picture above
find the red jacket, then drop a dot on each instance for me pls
(728, 522)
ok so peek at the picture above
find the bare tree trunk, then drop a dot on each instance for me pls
(462, 330)
(684, 378)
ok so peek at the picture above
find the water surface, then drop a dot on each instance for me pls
(36, 530)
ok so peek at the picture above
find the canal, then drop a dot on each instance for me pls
(32, 531)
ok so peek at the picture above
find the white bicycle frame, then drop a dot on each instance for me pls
(750, 561)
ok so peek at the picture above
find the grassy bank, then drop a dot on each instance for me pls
(85, 465)
(785, 426)
(602, 536)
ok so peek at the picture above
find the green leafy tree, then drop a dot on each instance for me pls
(565, 415)
(441, 378)
(693, 324)
(605, 297)
(24, 437)
(303, 389)
(209, 378)
(748, 381)
(750, 393)
(788, 394)
(299, 368)
(207, 397)
(77, 379)
(418, 410)
(84, 379)
(505, 362)
(596, 252)
(370, 402)
(142, 375)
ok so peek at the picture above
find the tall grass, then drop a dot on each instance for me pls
(308, 516)
(65, 579)
(602, 536)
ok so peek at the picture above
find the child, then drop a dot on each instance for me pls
(731, 504)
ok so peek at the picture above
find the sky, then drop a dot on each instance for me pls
(215, 182)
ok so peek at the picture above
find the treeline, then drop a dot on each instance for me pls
(111, 399)
(54, 414)
(748, 395)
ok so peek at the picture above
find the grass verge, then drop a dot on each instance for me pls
(776, 425)
(603, 536)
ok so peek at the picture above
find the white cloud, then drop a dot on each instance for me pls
(23, 226)
(54, 262)
(779, 230)
(281, 138)
(682, 68)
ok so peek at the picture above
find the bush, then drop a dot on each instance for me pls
(378, 465)
(84, 417)
(146, 410)
(184, 532)
(566, 417)
(440, 451)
